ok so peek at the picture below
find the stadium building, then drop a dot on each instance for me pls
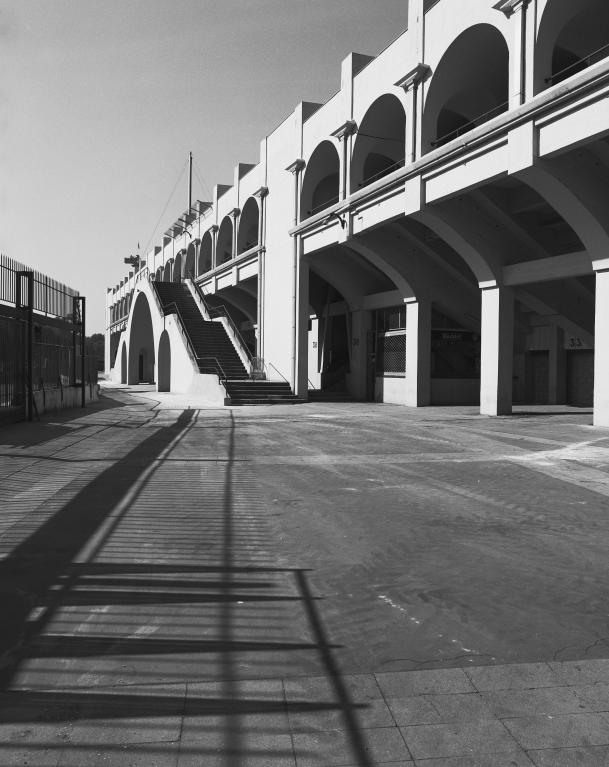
(437, 232)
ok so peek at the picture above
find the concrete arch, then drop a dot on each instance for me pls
(178, 266)
(576, 189)
(380, 145)
(159, 274)
(469, 86)
(224, 246)
(568, 32)
(482, 260)
(247, 234)
(205, 253)
(141, 343)
(167, 271)
(123, 363)
(164, 364)
(190, 262)
(321, 182)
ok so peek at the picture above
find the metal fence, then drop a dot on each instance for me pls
(50, 297)
(42, 337)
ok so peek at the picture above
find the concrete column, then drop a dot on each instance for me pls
(302, 327)
(412, 83)
(361, 323)
(601, 350)
(418, 352)
(235, 213)
(557, 383)
(214, 239)
(497, 351)
(516, 11)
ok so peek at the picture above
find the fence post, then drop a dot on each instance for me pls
(29, 309)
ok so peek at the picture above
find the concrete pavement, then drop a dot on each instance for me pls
(321, 584)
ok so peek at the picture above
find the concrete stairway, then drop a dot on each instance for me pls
(209, 340)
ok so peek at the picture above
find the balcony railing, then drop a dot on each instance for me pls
(381, 173)
(323, 205)
(471, 124)
(591, 58)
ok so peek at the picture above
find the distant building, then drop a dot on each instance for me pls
(437, 232)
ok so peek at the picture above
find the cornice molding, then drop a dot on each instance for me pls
(414, 77)
(346, 129)
(296, 166)
(510, 7)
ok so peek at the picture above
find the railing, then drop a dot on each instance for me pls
(471, 124)
(381, 173)
(50, 297)
(323, 205)
(588, 60)
(173, 308)
(221, 311)
(217, 368)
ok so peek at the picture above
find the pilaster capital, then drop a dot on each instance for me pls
(235, 212)
(213, 228)
(296, 166)
(346, 129)
(510, 7)
(415, 76)
(261, 193)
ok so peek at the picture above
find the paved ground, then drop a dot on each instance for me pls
(321, 584)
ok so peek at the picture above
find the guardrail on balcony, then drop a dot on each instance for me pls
(471, 124)
(579, 65)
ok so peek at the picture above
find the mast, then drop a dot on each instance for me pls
(189, 181)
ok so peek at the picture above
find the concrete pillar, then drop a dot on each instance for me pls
(418, 352)
(361, 323)
(412, 83)
(302, 327)
(214, 240)
(521, 58)
(557, 383)
(497, 351)
(601, 350)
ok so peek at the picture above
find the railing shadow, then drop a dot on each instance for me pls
(164, 709)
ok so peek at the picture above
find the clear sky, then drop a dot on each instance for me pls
(101, 100)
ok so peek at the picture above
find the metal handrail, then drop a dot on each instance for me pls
(221, 311)
(587, 59)
(323, 205)
(270, 365)
(385, 172)
(222, 377)
(471, 124)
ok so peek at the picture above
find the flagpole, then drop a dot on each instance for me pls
(189, 181)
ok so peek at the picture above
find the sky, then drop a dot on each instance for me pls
(101, 101)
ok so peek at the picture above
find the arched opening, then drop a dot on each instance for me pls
(167, 272)
(380, 144)
(205, 254)
(572, 36)
(177, 267)
(164, 365)
(124, 363)
(320, 186)
(469, 86)
(159, 274)
(224, 246)
(247, 236)
(141, 343)
(190, 264)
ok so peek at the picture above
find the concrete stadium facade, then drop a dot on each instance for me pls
(436, 233)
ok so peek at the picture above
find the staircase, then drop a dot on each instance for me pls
(209, 340)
